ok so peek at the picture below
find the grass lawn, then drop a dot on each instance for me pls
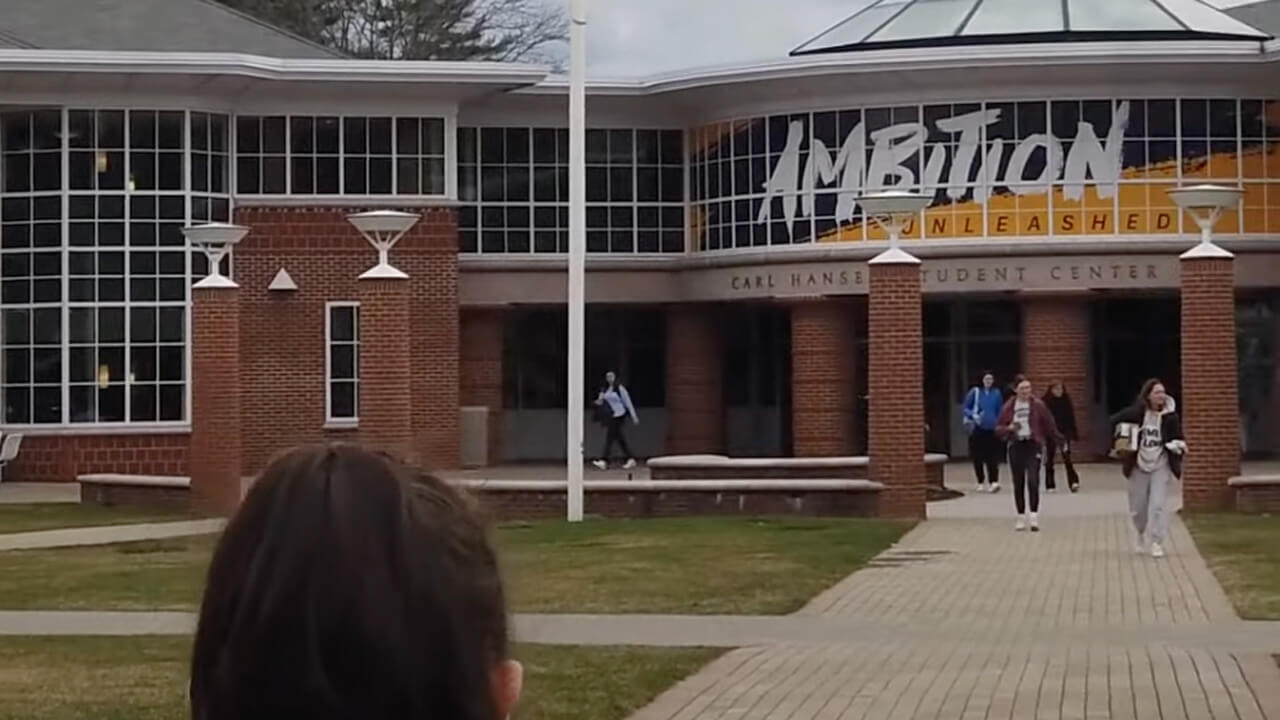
(680, 565)
(686, 565)
(48, 516)
(1244, 553)
(145, 678)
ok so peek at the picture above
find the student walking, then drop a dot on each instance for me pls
(614, 407)
(1064, 416)
(1026, 424)
(1151, 464)
(980, 411)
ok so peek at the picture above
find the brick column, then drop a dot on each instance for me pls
(1209, 405)
(386, 399)
(215, 465)
(895, 373)
(822, 378)
(480, 337)
(1056, 345)
(695, 402)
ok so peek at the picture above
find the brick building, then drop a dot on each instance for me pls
(727, 277)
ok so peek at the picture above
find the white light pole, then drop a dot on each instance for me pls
(1205, 204)
(577, 251)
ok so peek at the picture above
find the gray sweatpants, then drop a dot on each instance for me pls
(1148, 493)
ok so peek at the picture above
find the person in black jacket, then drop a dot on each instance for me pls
(1064, 415)
(1151, 466)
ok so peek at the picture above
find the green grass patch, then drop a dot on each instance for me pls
(51, 516)
(680, 565)
(1244, 553)
(145, 678)
(686, 565)
(150, 575)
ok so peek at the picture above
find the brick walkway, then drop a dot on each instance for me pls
(967, 619)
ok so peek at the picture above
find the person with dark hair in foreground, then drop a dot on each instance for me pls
(349, 587)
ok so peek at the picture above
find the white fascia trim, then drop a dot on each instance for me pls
(951, 57)
(267, 68)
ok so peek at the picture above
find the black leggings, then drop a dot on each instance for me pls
(1073, 478)
(613, 435)
(984, 451)
(1024, 463)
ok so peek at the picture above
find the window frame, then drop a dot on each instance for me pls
(332, 421)
(65, 425)
(288, 197)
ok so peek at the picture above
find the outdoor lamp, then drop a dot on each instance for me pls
(216, 240)
(893, 210)
(1205, 204)
(383, 229)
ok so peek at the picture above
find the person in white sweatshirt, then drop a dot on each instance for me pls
(1152, 466)
(614, 404)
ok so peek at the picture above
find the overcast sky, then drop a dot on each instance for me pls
(628, 38)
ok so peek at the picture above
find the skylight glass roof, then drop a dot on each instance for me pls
(924, 23)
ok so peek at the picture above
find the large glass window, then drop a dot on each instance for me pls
(514, 187)
(95, 317)
(333, 155)
(1026, 169)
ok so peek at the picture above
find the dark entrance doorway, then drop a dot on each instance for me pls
(1135, 339)
(962, 339)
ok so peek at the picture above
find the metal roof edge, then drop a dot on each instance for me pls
(955, 56)
(269, 68)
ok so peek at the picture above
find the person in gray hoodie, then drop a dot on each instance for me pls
(1152, 466)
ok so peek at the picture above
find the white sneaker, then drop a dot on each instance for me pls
(1156, 550)
(1021, 524)
(1139, 547)
(995, 487)
(1052, 490)
(1034, 522)
(600, 464)
(630, 463)
(979, 487)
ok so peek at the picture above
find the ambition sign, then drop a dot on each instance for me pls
(882, 160)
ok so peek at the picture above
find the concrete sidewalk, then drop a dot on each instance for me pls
(965, 618)
(108, 534)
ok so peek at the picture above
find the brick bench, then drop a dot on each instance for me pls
(157, 491)
(712, 467)
(826, 497)
(1256, 493)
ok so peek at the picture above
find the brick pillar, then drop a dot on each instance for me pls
(386, 399)
(895, 372)
(822, 378)
(1056, 345)
(695, 402)
(1209, 405)
(215, 466)
(480, 336)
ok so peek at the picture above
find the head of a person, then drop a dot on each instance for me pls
(1022, 387)
(988, 380)
(1152, 396)
(1057, 388)
(348, 586)
(611, 379)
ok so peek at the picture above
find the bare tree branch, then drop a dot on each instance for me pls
(502, 30)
